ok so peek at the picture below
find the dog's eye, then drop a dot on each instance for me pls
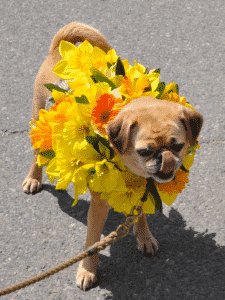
(145, 152)
(176, 147)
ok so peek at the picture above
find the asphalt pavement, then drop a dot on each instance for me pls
(186, 40)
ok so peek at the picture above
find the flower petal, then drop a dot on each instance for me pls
(67, 50)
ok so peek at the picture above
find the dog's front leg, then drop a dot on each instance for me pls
(97, 215)
(147, 244)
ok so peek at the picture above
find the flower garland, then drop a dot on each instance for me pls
(71, 135)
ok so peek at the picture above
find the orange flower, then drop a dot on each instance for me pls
(42, 134)
(58, 112)
(134, 88)
(174, 97)
(127, 86)
(174, 186)
(58, 101)
(103, 110)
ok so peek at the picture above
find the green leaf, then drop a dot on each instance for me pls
(91, 172)
(146, 71)
(103, 141)
(117, 80)
(51, 100)
(93, 140)
(109, 65)
(107, 145)
(100, 77)
(145, 196)
(83, 99)
(48, 154)
(111, 153)
(160, 89)
(156, 71)
(147, 89)
(119, 67)
(153, 77)
(93, 78)
(153, 190)
(171, 88)
(192, 149)
(184, 169)
(96, 140)
(104, 150)
(52, 87)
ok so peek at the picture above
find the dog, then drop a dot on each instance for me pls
(151, 137)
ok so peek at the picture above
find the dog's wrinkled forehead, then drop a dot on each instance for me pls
(154, 119)
(154, 110)
(155, 133)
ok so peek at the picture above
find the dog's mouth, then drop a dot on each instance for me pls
(162, 177)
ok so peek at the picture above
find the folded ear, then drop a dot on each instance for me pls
(192, 122)
(119, 132)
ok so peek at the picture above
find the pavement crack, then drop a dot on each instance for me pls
(212, 142)
(6, 132)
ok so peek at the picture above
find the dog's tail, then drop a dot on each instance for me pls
(77, 32)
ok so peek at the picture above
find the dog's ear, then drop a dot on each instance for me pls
(119, 132)
(192, 122)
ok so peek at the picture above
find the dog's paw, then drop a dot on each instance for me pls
(148, 247)
(31, 185)
(147, 244)
(86, 276)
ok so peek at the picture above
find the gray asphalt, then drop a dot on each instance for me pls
(186, 40)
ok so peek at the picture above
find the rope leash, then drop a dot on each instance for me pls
(121, 231)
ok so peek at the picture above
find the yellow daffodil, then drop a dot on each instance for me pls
(98, 58)
(75, 131)
(52, 171)
(63, 165)
(74, 58)
(80, 79)
(111, 57)
(79, 180)
(85, 152)
(136, 71)
(134, 89)
(172, 96)
(106, 178)
(42, 161)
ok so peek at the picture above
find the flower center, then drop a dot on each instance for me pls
(105, 115)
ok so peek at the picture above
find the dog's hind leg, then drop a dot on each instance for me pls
(32, 182)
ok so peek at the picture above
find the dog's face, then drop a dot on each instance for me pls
(152, 136)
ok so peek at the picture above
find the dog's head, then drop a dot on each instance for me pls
(152, 136)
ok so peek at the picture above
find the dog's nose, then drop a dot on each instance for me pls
(168, 162)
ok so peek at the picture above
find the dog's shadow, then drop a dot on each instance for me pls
(188, 265)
